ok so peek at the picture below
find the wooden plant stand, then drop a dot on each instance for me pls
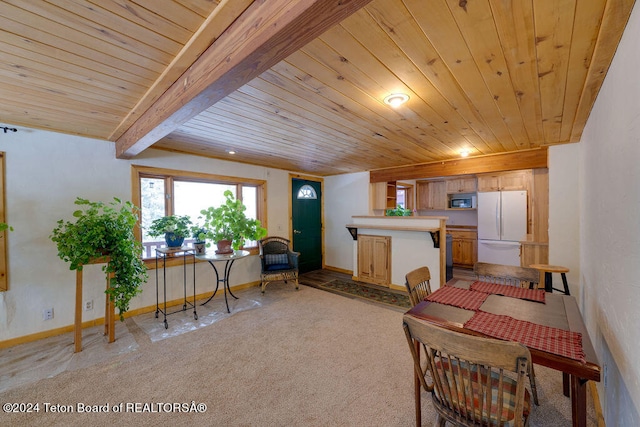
(109, 316)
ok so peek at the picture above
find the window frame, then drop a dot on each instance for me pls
(408, 193)
(171, 175)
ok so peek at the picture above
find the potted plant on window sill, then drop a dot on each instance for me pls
(399, 211)
(174, 228)
(228, 226)
(101, 230)
(199, 237)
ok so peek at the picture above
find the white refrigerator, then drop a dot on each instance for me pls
(502, 224)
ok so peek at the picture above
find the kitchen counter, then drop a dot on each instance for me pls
(415, 241)
(463, 227)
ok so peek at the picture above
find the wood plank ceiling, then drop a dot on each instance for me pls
(487, 76)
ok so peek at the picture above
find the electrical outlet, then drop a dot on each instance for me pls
(47, 314)
(88, 305)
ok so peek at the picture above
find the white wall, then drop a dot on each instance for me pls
(45, 172)
(344, 196)
(610, 230)
(564, 210)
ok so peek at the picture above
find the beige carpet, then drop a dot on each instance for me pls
(288, 358)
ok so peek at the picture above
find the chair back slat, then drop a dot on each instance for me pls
(523, 277)
(476, 381)
(418, 284)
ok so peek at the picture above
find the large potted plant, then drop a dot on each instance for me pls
(228, 226)
(100, 230)
(174, 228)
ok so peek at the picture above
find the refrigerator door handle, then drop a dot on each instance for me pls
(498, 228)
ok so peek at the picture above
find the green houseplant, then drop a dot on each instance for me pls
(100, 230)
(229, 223)
(399, 211)
(174, 228)
(199, 238)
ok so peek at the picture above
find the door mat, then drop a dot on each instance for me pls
(361, 290)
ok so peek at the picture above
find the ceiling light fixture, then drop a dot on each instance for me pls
(231, 152)
(396, 99)
(464, 153)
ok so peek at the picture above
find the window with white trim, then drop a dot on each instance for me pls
(162, 192)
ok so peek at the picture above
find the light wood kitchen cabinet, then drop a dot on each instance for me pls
(539, 206)
(533, 252)
(383, 195)
(431, 195)
(504, 181)
(374, 259)
(461, 185)
(464, 247)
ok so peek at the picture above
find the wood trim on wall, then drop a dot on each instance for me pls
(4, 282)
(526, 159)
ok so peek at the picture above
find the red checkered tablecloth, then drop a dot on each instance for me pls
(458, 297)
(545, 338)
(536, 295)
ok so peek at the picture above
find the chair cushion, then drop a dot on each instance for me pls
(276, 259)
(275, 267)
(509, 393)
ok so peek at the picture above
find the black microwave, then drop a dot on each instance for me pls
(460, 202)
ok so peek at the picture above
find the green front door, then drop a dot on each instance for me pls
(306, 218)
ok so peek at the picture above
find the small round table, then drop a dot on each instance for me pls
(229, 259)
(548, 280)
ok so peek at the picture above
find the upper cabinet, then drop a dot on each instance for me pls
(503, 181)
(461, 185)
(431, 194)
(383, 195)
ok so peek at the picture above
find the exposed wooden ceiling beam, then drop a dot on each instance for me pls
(526, 159)
(215, 24)
(266, 33)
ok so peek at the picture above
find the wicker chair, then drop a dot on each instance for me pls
(278, 261)
(477, 381)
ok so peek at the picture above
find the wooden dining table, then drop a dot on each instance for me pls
(558, 311)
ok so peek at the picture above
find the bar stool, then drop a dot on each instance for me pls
(548, 280)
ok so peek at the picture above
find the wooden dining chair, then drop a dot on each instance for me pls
(476, 381)
(418, 284)
(523, 277)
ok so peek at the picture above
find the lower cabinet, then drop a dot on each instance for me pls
(464, 248)
(534, 253)
(374, 259)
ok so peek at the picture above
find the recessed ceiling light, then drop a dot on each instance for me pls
(464, 153)
(231, 152)
(396, 99)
